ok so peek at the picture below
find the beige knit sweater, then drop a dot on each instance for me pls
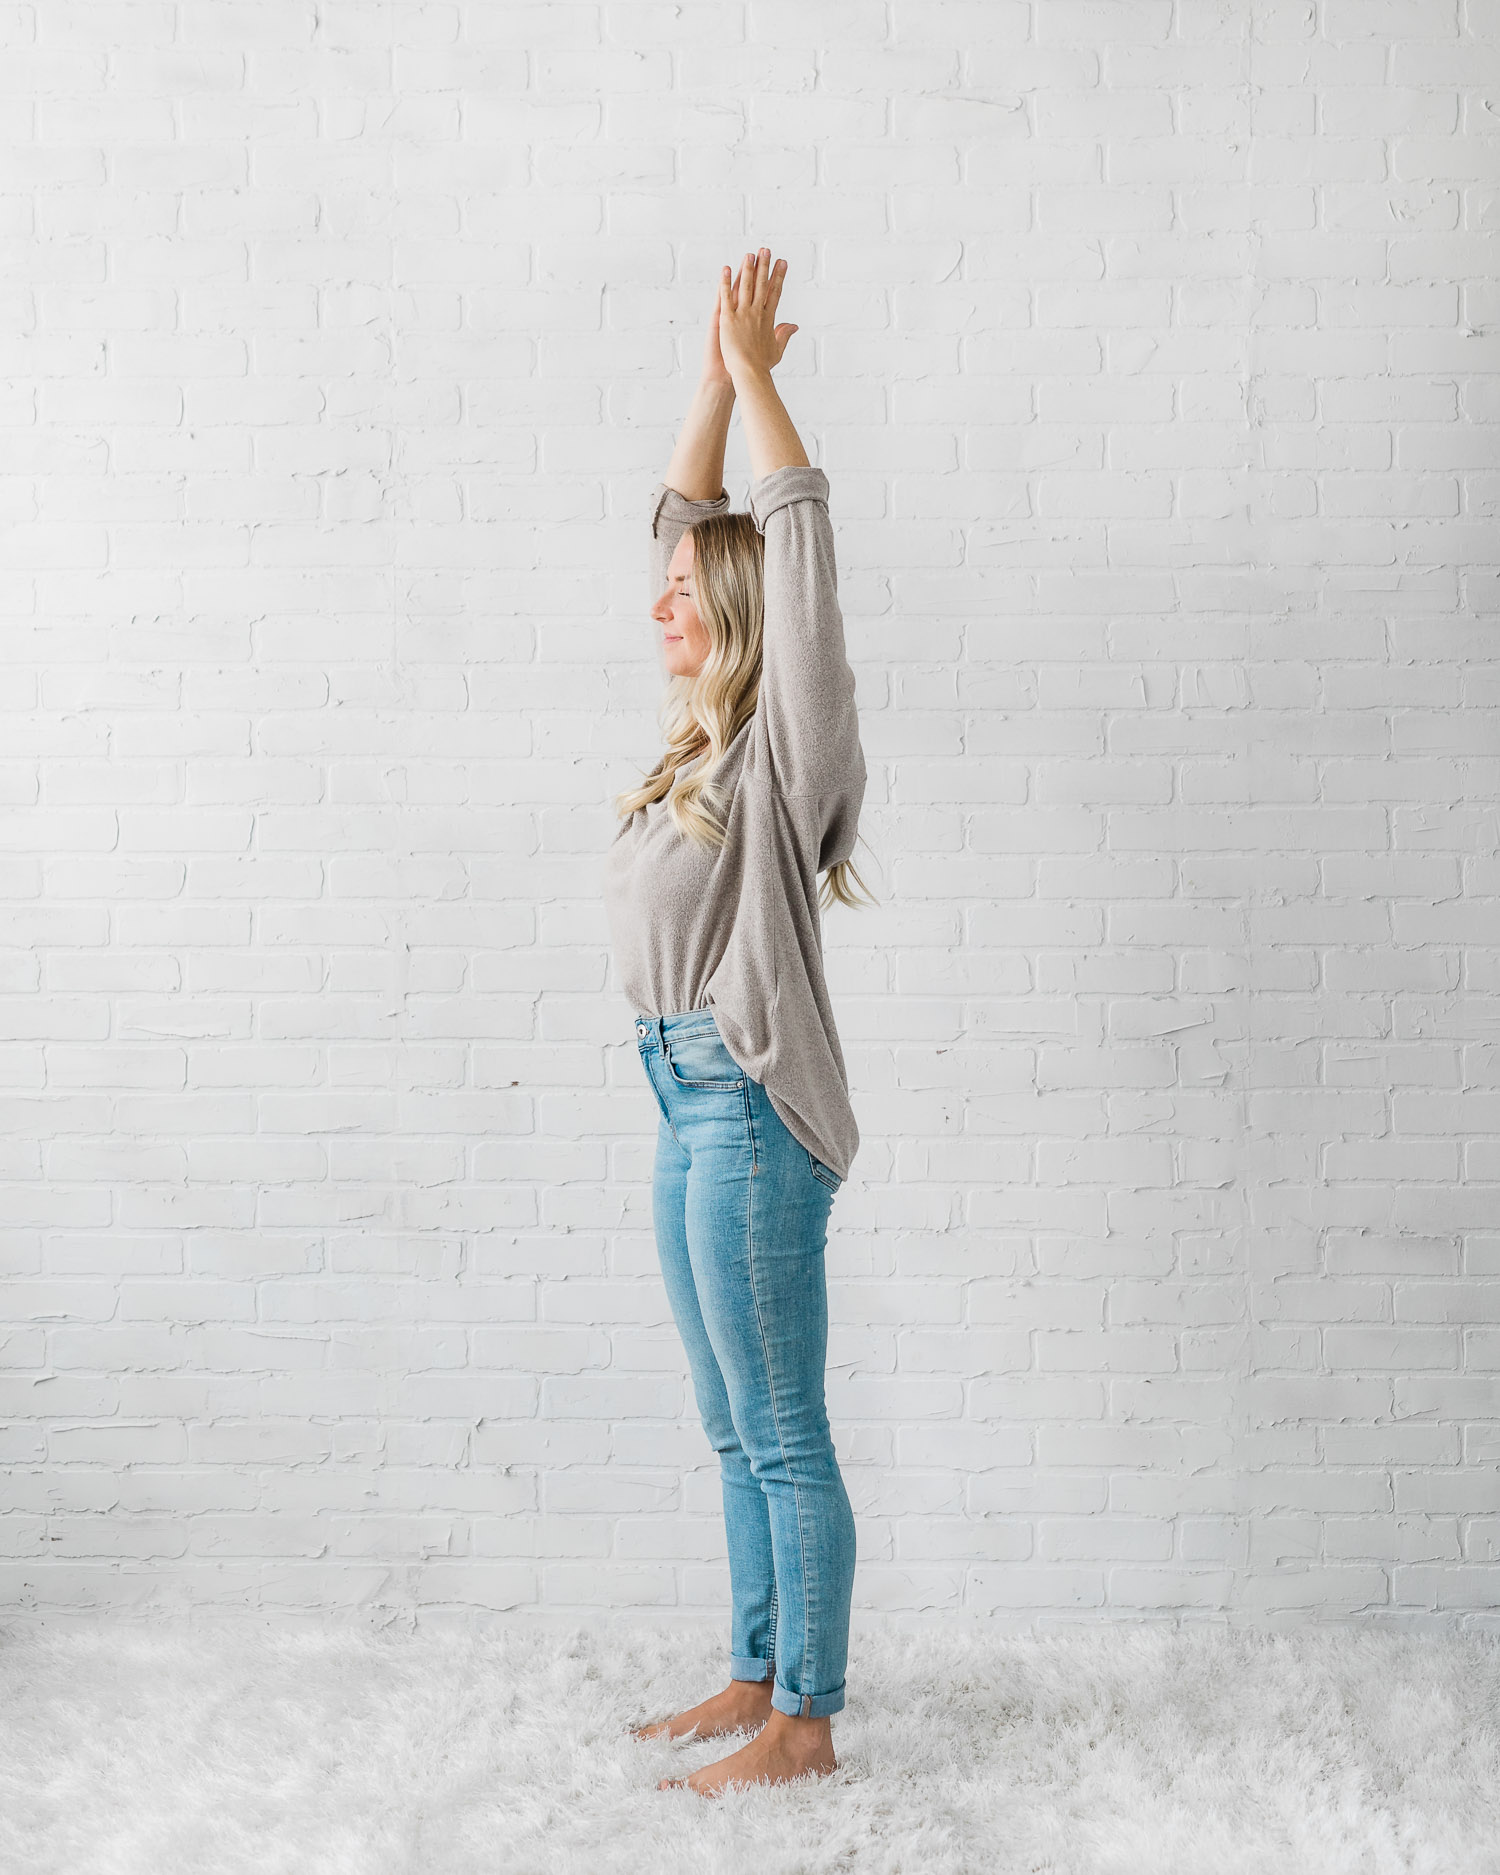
(738, 930)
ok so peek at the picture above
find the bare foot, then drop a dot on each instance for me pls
(785, 1748)
(743, 1703)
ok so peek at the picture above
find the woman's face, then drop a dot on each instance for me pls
(684, 635)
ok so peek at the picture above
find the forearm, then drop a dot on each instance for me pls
(697, 466)
(770, 433)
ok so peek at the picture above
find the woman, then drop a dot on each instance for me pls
(712, 898)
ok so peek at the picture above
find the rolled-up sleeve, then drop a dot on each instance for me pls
(807, 685)
(670, 514)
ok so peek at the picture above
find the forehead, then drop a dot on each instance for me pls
(682, 558)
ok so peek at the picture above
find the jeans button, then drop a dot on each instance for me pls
(640, 1028)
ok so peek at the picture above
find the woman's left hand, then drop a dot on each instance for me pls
(749, 338)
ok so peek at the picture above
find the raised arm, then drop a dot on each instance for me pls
(693, 488)
(807, 686)
(806, 683)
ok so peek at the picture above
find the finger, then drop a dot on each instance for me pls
(762, 274)
(778, 281)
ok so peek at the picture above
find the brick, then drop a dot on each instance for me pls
(1152, 368)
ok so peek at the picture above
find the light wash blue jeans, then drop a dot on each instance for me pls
(740, 1210)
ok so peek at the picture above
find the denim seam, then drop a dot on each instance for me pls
(750, 1128)
(656, 1091)
(781, 1443)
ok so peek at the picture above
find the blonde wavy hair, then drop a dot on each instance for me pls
(701, 715)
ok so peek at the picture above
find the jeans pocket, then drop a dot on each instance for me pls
(702, 1060)
(824, 1174)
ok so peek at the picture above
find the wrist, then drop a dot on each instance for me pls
(751, 377)
(716, 388)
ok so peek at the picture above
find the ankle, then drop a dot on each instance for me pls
(795, 1726)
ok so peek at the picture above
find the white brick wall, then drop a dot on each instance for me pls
(1151, 349)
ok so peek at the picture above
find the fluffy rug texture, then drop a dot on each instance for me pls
(1124, 1749)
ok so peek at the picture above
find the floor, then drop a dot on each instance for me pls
(1202, 1750)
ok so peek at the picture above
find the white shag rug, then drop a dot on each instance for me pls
(1145, 1750)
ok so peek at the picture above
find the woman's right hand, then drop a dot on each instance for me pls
(715, 371)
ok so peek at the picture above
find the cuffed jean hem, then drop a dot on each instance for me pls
(807, 1705)
(747, 1667)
